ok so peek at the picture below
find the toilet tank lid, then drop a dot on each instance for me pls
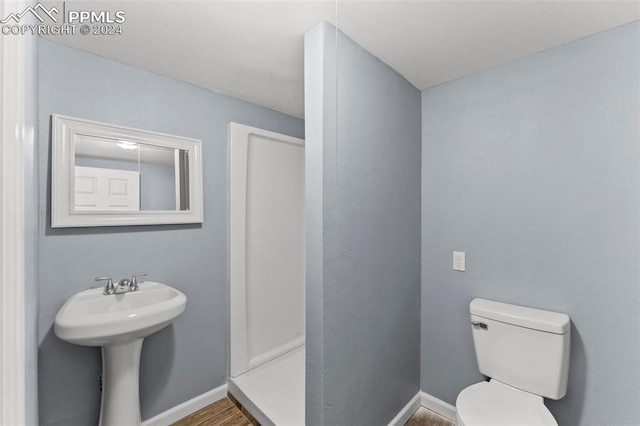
(536, 319)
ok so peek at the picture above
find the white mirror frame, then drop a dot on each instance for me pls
(63, 213)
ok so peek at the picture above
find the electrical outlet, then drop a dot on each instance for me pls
(459, 261)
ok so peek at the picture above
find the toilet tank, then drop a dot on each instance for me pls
(522, 347)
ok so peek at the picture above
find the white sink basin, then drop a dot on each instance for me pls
(90, 318)
(119, 323)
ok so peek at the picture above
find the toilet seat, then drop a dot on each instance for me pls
(494, 403)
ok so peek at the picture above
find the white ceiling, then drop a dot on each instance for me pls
(253, 50)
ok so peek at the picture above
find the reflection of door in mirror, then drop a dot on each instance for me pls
(100, 189)
(107, 175)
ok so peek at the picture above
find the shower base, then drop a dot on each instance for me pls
(274, 392)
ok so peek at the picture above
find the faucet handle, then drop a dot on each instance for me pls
(134, 280)
(108, 288)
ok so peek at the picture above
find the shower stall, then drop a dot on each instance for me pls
(267, 274)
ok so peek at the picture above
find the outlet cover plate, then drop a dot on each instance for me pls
(459, 261)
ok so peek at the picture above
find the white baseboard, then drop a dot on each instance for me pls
(407, 411)
(178, 412)
(438, 406)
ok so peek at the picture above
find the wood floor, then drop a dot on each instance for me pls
(425, 417)
(225, 412)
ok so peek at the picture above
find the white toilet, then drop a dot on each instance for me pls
(525, 353)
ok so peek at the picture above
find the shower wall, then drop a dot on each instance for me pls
(266, 246)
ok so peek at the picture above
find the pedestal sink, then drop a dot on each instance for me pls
(119, 323)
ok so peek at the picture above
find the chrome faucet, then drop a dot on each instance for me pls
(124, 285)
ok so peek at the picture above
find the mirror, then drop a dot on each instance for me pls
(107, 175)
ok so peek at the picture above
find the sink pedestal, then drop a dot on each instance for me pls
(121, 384)
(119, 323)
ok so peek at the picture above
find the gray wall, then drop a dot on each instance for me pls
(189, 357)
(533, 169)
(365, 177)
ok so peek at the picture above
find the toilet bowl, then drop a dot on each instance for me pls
(496, 404)
(525, 354)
